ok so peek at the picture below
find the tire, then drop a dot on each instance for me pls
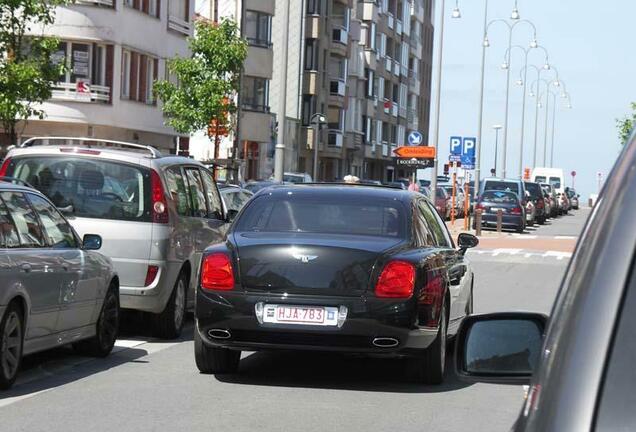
(211, 360)
(520, 229)
(430, 368)
(11, 344)
(541, 220)
(169, 323)
(107, 329)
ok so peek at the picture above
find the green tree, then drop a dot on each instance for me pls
(207, 82)
(626, 125)
(27, 73)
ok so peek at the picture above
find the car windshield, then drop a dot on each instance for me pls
(359, 215)
(555, 182)
(500, 197)
(291, 178)
(91, 188)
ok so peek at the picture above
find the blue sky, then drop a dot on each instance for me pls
(589, 42)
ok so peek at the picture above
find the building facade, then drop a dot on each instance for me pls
(114, 50)
(364, 64)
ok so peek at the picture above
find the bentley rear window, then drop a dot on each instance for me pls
(329, 215)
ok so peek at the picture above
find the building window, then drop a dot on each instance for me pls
(309, 108)
(255, 94)
(257, 28)
(138, 74)
(314, 7)
(370, 83)
(150, 7)
(311, 54)
(179, 16)
(371, 36)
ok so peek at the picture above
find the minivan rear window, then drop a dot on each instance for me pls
(555, 182)
(91, 188)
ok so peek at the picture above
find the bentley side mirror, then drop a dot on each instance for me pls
(466, 241)
(502, 348)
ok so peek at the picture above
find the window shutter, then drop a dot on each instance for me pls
(143, 78)
(134, 75)
(110, 63)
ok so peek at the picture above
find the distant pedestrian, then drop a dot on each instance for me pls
(413, 187)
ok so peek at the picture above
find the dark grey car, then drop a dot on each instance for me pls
(53, 289)
(582, 373)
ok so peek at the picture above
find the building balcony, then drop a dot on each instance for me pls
(370, 150)
(390, 21)
(340, 35)
(370, 59)
(404, 71)
(398, 27)
(387, 105)
(259, 62)
(256, 124)
(311, 82)
(81, 93)
(312, 27)
(370, 11)
(403, 112)
(179, 25)
(388, 64)
(394, 109)
(266, 6)
(396, 68)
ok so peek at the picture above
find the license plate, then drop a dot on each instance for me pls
(496, 209)
(303, 315)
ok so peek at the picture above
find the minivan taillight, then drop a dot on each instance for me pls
(217, 273)
(159, 203)
(5, 166)
(397, 280)
(540, 204)
(516, 211)
(151, 274)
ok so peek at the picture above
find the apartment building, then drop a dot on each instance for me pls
(115, 50)
(364, 64)
(256, 124)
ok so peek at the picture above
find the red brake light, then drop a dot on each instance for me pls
(217, 272)
(540, 204)
(151, 274)
(516, 211)
(433, 295)
(159, 203)
(5, 167)
(479, 206)
(397, 280)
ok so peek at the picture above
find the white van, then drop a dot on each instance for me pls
(551, 176)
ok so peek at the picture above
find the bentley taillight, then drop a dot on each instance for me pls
(397, 280)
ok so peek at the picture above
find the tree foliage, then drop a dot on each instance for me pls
(626, 124)
(207, 81)
(26, 71)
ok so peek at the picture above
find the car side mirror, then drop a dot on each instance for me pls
(466, 241)
(231, 215)
(502, 348)
(91, 242)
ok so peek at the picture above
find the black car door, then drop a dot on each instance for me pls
(455, 262)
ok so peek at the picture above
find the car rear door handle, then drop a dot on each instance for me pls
(25, 267)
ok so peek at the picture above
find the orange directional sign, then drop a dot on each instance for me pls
(418, 152)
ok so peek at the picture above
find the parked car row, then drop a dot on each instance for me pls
(521, 203)
(151, 217)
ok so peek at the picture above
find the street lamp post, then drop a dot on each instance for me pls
(496, 128)
(316, 121)
(438, 79)
(538, 105)
(523, 82)
(279, 155)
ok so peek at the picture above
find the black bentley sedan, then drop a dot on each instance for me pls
(349, 268)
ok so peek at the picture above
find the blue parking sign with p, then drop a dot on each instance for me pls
(462, 149)
(456, 145)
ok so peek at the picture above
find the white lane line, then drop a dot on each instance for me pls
(524, 236)
(558, 255)
(565, 237)
(497, 252)
(47, 370)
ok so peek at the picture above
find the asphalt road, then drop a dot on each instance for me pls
(150, 385)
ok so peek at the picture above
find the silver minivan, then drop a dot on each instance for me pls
(155, 213)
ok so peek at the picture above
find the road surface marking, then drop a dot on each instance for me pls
(565, 237)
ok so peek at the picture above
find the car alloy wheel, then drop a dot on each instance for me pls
(11, 341)
(108, 326)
